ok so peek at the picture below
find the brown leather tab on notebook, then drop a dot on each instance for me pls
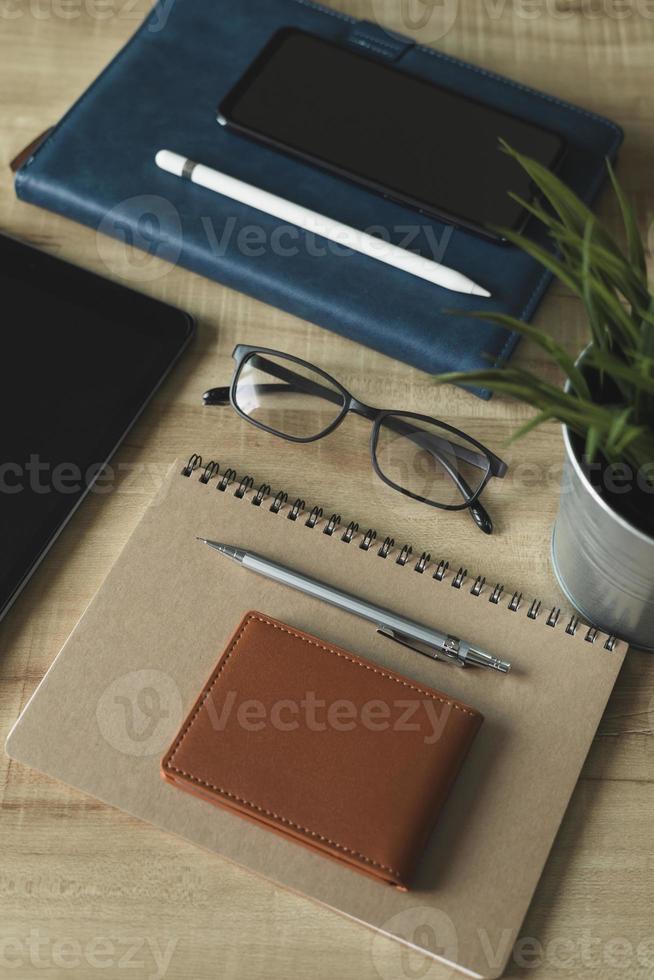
(323, 747)
(27, 152)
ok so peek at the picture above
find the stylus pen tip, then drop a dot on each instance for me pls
(479, 291)
(171, 162)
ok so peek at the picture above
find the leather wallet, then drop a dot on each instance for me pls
(324, 747)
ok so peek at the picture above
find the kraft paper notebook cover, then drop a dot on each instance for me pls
(162, 91)
(116, 695)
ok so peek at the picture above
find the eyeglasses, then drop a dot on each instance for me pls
(417, 455)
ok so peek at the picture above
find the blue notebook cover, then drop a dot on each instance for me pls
(162, 90)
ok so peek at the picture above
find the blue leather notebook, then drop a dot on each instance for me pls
(161, 91)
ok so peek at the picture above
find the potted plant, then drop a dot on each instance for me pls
(603, 539)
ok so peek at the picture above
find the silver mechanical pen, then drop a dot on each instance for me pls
(422, 639)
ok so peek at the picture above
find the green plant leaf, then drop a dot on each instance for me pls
(622, 331)
(611, 281)
(644, 361)
(614, 268)
(620, 370)
(547, 259)
(528, 388)
(605, 253)
(617, 429)
(601, 336)
(634, 243)
(571, 210)
(574, 215)
(547, 343)
(592, 443)
(591, 289)
(537, 420)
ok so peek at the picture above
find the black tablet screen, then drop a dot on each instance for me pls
(80, 358)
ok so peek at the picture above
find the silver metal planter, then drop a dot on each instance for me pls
(604, 565)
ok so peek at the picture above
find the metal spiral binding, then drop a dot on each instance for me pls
(246, 484)
(496, 594)
(368, 539)
(262, 493)
(553, 617)
(211, 470)
(404, 555)
(280, 499)
(386, 547)
(228, 477)
(422, 562)
(534, 609)
(332, 524)
(516, 599)
(192, 464)
(349, 532)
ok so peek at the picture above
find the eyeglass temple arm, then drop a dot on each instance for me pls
(478, 512)
(217, 396)
(294, 383)
(436, 444)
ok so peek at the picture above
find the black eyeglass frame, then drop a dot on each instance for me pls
(243, 353)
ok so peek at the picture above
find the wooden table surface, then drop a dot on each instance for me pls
(84, 889)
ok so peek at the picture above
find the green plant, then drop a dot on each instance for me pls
(610, 401)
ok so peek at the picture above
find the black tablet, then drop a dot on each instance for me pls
(80, 358)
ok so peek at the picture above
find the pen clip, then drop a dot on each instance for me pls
(453, 651)
(449, 653)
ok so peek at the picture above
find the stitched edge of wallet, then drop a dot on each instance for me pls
(168, 765)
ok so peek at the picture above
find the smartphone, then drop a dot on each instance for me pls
(396, 134)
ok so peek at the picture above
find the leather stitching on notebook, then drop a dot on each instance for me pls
(285, 820)
(485, 72)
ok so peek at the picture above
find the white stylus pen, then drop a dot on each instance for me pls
(318, 224)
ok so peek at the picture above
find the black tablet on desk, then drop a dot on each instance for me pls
(80, 357)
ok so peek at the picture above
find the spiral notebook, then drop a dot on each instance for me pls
(115, 696)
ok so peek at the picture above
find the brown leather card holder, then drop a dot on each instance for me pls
(324, 747)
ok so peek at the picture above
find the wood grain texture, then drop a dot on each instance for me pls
(85, 889)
